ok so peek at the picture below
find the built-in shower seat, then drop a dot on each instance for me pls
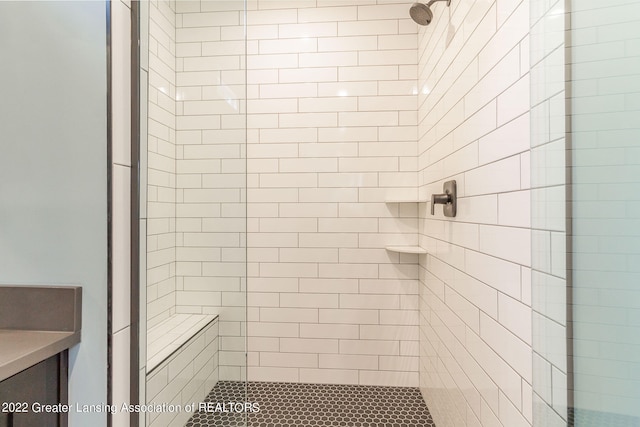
(182, 365)
(173, 333)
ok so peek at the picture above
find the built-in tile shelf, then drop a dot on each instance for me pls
(407, 249)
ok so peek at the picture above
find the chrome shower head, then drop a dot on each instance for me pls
(421, 13)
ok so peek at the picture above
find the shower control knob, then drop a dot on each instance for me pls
(439, 199)
(448, 199)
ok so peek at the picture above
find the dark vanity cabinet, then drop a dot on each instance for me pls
(38, 325)
(36, 396)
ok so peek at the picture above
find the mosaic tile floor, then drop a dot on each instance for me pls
(319, 405)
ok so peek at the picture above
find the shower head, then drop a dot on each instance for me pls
(421, 13)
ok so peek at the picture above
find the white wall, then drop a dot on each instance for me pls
(331, 136)
(475, 296)
(53, 169)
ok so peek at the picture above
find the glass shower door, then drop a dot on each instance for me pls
(605, 205)
(585, 179)
(194, 179)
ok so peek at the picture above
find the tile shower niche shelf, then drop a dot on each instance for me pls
(407, 249)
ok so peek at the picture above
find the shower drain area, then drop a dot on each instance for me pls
(294, 404)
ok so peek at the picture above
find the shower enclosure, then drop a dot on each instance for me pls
(290, 149)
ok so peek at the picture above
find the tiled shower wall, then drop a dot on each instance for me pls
(331, 136)
(475, 295)
(161, 152)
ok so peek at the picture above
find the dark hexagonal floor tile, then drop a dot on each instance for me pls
(316, 405)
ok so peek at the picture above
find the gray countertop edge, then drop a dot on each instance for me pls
(38, 353)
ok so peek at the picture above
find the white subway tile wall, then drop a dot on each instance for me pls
(473, 127)
(161, 162)
(332, 131)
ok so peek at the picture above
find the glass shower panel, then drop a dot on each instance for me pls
(548, 215)
(605, 104)
(585, 179)
(211, 170)
(195, 156)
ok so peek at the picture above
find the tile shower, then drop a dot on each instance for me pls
(289, 149)
(285, 155)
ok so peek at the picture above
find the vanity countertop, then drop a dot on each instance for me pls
(21, 349)
(37, 322)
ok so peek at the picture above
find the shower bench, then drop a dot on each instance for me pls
(182, 364)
